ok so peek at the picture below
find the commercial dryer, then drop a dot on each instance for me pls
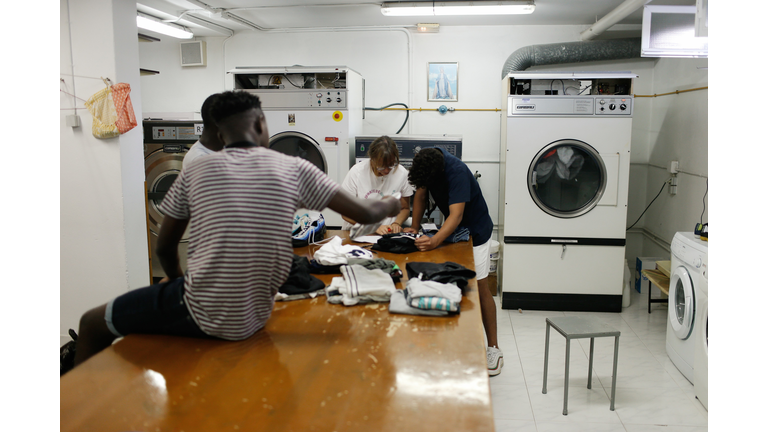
(564, 177)
(312, 112)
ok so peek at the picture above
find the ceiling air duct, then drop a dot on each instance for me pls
(571, 52)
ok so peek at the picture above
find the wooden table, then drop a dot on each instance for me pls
(314, 367)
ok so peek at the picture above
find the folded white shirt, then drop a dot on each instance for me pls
(362, 285)
(334, 253)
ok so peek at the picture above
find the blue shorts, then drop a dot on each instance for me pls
(156, 309)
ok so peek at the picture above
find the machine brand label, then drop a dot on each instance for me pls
(530, 107)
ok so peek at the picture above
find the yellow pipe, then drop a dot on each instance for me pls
(674, 92)
(435, 109)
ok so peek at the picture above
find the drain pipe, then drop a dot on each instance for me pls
(614, 16)
(571, 52)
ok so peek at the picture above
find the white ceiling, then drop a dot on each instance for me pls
(287, 14)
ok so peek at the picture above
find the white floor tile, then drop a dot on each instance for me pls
(651, 395)
(511, 402)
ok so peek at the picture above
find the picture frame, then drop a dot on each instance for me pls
(442, 81)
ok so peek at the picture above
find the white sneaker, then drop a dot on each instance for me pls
(495, 360)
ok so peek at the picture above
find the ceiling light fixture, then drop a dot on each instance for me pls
(152, 24)
(427, 28)
(458, 8)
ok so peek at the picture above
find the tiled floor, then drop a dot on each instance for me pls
(651, 394)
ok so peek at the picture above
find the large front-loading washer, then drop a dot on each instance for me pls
(564, 186)
(688, 257)
(311, 112)
(701, 343)
(166, 142)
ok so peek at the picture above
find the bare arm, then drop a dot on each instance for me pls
(397, 224)
(419, 206)
(167, 250)
(362, 210)
(425, 243)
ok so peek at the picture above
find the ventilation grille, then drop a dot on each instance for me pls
(193, 53)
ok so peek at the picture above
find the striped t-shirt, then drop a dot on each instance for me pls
(240, 203)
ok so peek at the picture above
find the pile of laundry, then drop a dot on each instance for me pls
(433, 289)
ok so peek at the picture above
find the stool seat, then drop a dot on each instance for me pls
(575, 327)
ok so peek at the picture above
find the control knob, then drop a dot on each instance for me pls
(623, 107)
(328, 100)
(612, 106)
(338, 100)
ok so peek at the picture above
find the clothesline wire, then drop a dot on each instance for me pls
(89, 77)
(70, 94)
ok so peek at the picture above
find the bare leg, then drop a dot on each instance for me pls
(488, 312)
(94, 335)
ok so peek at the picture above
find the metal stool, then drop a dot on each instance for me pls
(580, 328)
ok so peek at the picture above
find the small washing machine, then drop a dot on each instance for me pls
(312, 112)
(701, 343)
(166, 142)
(564, 181)
(688, 257)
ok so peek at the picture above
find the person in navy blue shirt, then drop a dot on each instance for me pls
(457, 194)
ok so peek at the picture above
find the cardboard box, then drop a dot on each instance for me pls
(644, 263)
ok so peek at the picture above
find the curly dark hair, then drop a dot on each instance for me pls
(427, 168)
(233, 102)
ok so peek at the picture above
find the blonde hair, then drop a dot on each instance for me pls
(384, 150)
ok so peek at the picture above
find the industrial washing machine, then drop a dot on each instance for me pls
(564, 176)
(166, 142)
(312, 112)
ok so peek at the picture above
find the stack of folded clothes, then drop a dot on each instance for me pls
(401, 243)
(300, 283)
(360, 285)
(433, 289)
(461, 234)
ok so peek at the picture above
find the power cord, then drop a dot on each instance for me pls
(407, 113)
(704, 201)
(649, 205)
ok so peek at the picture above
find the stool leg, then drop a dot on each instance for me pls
(649, 296)
(591, 351)
(546, 360)
(615, 368)
(567, 365)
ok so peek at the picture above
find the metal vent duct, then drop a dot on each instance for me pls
(571, 52)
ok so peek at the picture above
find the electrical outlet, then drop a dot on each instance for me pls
(73, 120)
(674, 167)
(673, 185)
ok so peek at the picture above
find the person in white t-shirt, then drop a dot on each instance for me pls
(379, 176)
(209, 141)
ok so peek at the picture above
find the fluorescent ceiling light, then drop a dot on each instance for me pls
(163, 28)
(458, 8)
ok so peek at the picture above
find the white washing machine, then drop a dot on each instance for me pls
(312, 112)
(564, 185)
(688, 257)
(701, 333)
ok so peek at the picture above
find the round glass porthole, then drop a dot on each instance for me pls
(567, 178)
(298, 144)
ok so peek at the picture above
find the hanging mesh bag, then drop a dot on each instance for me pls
(112, 111)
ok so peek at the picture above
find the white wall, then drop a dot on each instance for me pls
(103, 223)
(660, 125)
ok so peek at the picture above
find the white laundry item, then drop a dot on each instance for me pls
(334, 253)
(568, 164)
(432, 295)
(544, 170)
(362, 285)
(332, 291)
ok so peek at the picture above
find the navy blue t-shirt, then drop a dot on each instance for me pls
(460, 186)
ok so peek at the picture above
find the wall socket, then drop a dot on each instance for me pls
(674, 167)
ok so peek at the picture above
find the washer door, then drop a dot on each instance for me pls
(681, 303)
(161, 169)
(301, 145)
(567, 178)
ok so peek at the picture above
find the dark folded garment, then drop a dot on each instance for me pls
(447, 272)
(317, 268)
(401, 243)
(299, 280)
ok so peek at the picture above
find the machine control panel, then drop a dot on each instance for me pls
(409, 145)
(614, 106)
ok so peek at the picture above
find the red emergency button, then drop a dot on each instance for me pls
(337, 116)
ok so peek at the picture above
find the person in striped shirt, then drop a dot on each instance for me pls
(239, 205)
